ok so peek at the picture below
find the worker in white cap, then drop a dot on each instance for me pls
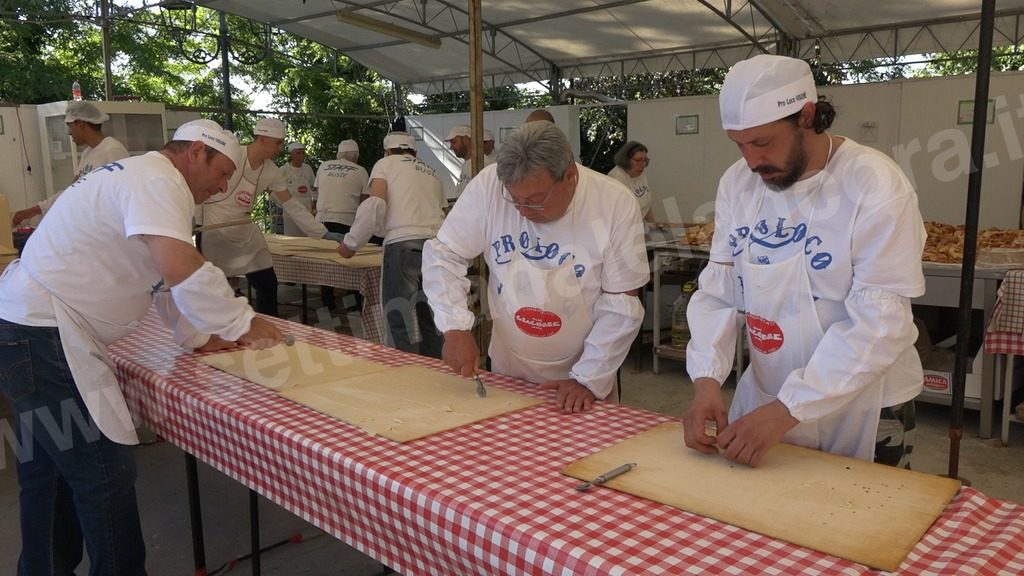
(240, 249)
(460, 140)
(407, 203)
(818, 244)
(490, 155)
(339, 187)
(120, 238)
(85, 126)
(299, 177)
(564, 248)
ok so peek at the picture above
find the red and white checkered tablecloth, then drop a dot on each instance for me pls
(320, 272)
(488, 498)
(1005, 332)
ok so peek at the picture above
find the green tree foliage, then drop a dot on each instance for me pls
(45, 45)
(1004, 59)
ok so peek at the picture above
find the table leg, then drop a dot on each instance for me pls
(305, 314)
(988, 379)
(1007, 373)
(195, 515)
(254, 528)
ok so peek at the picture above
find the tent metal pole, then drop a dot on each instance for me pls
(963, 332)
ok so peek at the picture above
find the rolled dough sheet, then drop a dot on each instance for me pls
(283, 367)
(857, 510)
(408, 402)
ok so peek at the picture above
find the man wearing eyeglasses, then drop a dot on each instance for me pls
(565, 249)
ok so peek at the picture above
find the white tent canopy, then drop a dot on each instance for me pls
(538, 41)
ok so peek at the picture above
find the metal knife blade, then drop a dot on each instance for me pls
(481, 391)
(602, 478)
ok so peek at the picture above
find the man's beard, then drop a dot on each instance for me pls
(794, 168)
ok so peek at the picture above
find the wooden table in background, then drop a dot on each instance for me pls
(304, 270)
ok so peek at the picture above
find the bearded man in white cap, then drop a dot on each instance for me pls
(818, 243)
(241, 249)
(85, 126)
(460, 140)
(299, 177)
(407, 203)
(120, 237)
(490, 156)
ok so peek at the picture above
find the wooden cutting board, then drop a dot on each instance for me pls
(408, 402)
(282, 367)
(857, 510)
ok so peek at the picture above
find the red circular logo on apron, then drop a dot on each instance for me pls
(538, 323)
(244, 198)
(765, 336)
(303, 190)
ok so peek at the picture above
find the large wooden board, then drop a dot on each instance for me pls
(864, 512)
(408, 402)
(282, 367)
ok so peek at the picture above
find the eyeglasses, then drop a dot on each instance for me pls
(538, 206)
(646, 161)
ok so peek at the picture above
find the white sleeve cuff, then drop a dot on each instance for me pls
(209, 304)
(617, 318)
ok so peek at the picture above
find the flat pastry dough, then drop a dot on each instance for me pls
(408, 402)
(853, 509)
(282, 367)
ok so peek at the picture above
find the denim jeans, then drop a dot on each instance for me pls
(401, 293)
(75, 483)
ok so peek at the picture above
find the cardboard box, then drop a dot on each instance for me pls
(941, 381)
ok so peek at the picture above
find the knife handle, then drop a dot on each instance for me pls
(613, 473)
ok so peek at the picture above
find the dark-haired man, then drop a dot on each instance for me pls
(818, 244)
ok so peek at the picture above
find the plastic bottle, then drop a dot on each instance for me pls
(76, 91)
(680, 327)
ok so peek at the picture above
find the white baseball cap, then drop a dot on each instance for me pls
(296, 146)
(269, 127)
(764, 89)
(86, 112)
(348, 146)
(488, 136)
(399, 140)
(460, 130)
(210, 133)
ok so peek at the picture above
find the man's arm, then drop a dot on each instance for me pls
(447, 289)
(203, 296)
(369, 217)
(302, 217)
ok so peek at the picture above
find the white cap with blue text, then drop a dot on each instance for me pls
(764, 89)
(269, 127)
(210, 133)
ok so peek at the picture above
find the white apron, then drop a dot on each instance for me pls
(540, 321)
(240, 249)
(85, 341)
(783, 330)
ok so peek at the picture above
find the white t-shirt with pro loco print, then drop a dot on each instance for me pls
(858, 228)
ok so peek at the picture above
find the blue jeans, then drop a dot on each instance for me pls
(401, 293)
(74, 482)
